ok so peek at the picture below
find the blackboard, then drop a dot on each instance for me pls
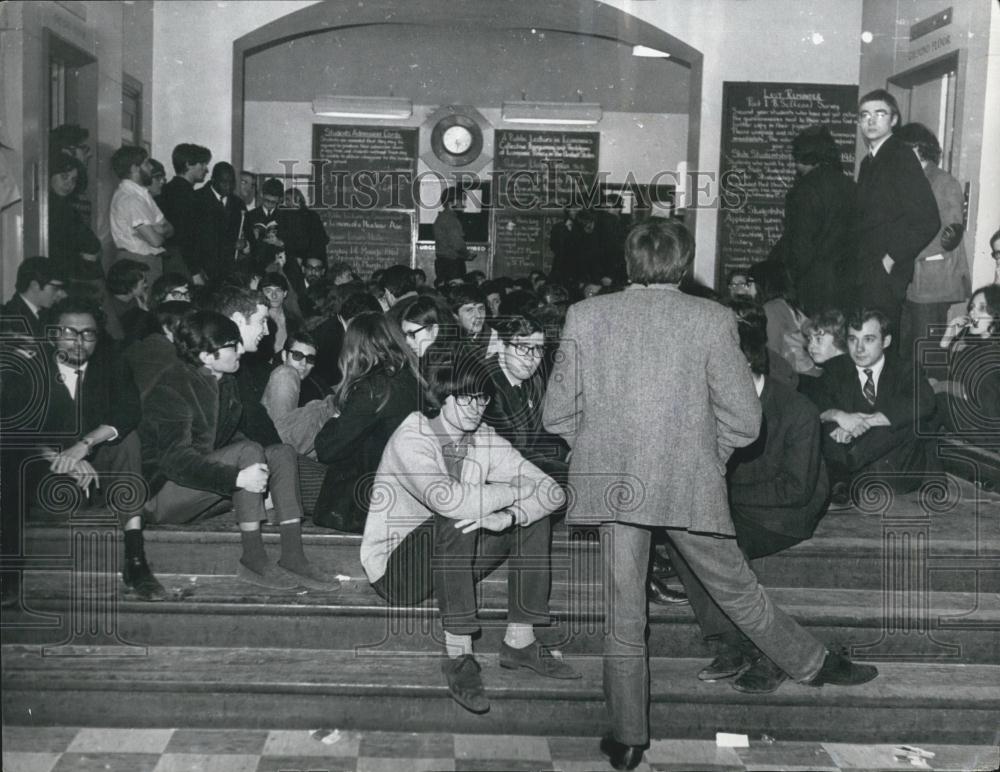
(521, 241)
(366, 167)
(545, 169)
(759, 121)
(370, 240)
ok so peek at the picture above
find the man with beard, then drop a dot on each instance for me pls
(138, 227)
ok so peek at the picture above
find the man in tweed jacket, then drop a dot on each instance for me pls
(652, 393)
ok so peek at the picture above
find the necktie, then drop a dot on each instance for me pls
(869, 388)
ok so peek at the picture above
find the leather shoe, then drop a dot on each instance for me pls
(658, 592)
(273, 577)
(661, 566)
(729, 662)
(140, 581)
(535, 657)
(620, 755)
(838, 670)
(312, 579)
(840, 497)
(762, 677)
(465, 684)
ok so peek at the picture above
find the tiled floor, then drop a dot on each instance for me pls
(60, 749)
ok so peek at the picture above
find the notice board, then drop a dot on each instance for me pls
(365, 167)
(759, 121)
(370, 240)
(536, 173)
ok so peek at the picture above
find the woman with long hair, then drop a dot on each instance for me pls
(969, 400)
(378, 389)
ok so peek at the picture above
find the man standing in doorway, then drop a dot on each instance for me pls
(620, 354)
(898, 214)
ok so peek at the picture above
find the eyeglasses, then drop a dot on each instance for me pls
(413, 333)
(879, 115)
(88, 334)
(525, 350)
(298, 356)
(180, 292)
(464, 400)
(737, 284)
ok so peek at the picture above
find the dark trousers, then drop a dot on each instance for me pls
(893, 455)
(921, 322)
(754, 542)
(175, 503)
(446, 268)
(437, 558)
(721, 568)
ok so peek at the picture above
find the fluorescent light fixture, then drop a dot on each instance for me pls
(648, 52)
(557, 113)
(394, 108)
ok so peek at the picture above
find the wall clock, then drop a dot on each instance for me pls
(457, 139)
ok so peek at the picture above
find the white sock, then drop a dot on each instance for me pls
(457, 645)
(519, 635)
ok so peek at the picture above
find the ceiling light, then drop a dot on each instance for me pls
(394, 108)
(553, 113)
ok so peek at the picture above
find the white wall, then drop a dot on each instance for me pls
(193, 68)
(988, 211)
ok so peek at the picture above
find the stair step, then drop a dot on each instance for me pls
(222, 611)
(306, 688)
(954, 538)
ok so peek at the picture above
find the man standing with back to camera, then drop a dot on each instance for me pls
(652, 393)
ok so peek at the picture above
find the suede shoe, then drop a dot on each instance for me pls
(312, 579)
(465, 684)
(838, 670)
(536, 657)
(273, 577)
(658, 592)
(139, 580)
(729, 662)
(620, 755)
(762, 677)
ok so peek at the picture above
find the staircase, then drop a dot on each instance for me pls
(913, 585)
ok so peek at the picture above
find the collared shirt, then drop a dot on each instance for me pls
(31, 306)
(221, 199)
(68, 376)
(132, 206)
(876, 373)
(874, 148)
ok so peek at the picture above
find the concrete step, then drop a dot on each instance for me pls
(220, 611)
(309, 688)
(957, 550)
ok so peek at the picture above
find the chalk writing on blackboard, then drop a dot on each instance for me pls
(370, 240)
(366, 167)
(760, 120)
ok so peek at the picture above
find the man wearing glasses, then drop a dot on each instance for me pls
(72, 411)
(453, 501)
(898, 214)
(38, 286)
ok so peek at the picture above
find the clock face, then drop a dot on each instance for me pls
(456, 139)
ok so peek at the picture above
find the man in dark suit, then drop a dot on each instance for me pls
(898, 214)
(620, 354)
(178, 205)
(778, 491)
(870, 404)
(218, 212)
(819, 240)
(38, 286)
(72, 409)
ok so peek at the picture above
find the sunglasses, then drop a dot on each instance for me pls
(413, 333)
(298, 356)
